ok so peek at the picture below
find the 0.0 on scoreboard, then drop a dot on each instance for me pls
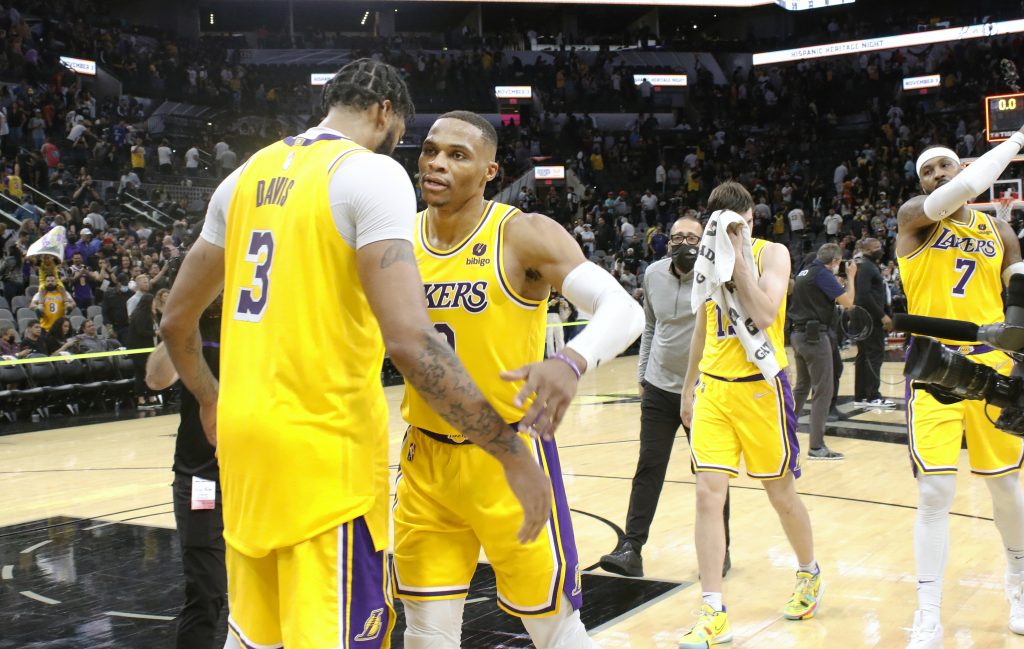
(1004, 114)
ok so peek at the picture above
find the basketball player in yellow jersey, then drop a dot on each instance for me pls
(51, 302)
(299, 416)
(735, 411)
(487, 271)
(953, 263)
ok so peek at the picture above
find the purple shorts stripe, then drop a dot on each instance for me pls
(565, 539)
(367, 608)
(237, 634)
(792, 444)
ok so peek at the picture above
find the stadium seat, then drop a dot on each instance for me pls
(23, 324)
(19, 302)
(76, 322)
(6, 314)
(98, 319)
(77, 312)
(93, 311)
(25, 312)
(4, 304)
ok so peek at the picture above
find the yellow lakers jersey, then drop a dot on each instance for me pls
(957, 272)
(302, 421)
(724, 355)
(472, 303)
(52, 305)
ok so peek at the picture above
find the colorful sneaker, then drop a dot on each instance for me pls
(925, 637)
(712, 628)
(806, 597)
(1015, 594)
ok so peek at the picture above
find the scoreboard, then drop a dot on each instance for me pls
(1004, 114)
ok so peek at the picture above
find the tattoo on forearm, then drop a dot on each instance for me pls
(440, 379)
(398, 252)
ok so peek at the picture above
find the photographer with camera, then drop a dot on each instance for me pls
(954, 262)
(815, 294)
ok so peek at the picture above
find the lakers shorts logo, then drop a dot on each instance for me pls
(578, 590)
(372, 627)
(412, 451)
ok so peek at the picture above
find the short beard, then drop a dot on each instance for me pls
(388, 144)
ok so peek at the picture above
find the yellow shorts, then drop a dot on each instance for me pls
(936, 431)
(329, 592)
(748, 418)
(451, 500)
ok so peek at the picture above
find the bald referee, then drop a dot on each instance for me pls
(664, 351)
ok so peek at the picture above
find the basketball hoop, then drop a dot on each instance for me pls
(1004, 206)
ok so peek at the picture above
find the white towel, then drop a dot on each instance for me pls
(713, 270)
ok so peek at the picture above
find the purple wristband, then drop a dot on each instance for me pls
(568, 361)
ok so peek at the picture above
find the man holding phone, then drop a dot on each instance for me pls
(815, 294)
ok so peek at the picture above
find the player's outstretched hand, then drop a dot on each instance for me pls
(552, 384)
(533, 490)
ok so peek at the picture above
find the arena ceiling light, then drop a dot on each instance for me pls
(891, 42)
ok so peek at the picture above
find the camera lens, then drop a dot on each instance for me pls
(929, 361)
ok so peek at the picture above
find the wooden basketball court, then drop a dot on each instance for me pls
(862, 511)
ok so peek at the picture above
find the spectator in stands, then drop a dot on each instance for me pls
(138, 157)
(130, 181)
(657, 246)
(228, 162)
(142, 288)
(8, 342)
(51, 302)
(94, 219)
(141, 334)
(33, 341)
(192, 162)
(649, 207)
(59, 335)
(28, 209)
(83, 281)
(115, 307)
(163, 156)
(11, 269)
(88, 340)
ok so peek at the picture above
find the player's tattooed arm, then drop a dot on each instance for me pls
(394, 289)
(438, 376)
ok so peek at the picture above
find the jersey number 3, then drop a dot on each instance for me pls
(967, 267)
(252, 302)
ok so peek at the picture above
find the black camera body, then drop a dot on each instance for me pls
(949, 376)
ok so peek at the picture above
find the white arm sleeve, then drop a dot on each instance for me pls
(372, 200)
(215, 225)
(973, 180)
(617, 318)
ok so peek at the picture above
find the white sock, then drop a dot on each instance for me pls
(931, 542)
(714, 600)
(811, 567)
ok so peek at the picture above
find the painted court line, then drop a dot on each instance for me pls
(36, 546)
(138, 616)
(97, 526)
(477, 599)
(39, 598)
(8, 572)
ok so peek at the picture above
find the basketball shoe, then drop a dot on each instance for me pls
(806, 597)
(712, 628)
(925, 637)
(1015, 594)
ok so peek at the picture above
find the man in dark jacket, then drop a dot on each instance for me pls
(115, 307)
(870, 295)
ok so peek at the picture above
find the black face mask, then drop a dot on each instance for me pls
(876, 255)
(684, 257)
(10, 339)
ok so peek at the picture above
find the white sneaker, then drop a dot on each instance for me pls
(1015, 595)
(925, 637)
(876, 404)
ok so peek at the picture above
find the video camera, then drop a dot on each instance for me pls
(950, 377)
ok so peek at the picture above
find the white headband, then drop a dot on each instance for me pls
(936, 152)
